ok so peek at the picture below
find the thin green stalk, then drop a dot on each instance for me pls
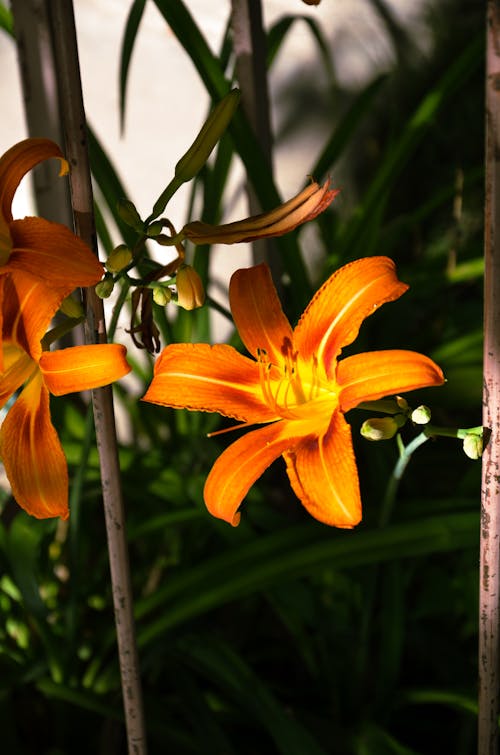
(71, 101)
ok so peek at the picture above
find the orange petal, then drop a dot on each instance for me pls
(209, 379)
(20, 159)
(305, 206)
(52, 252)
(334, 315)
(375, 374)
(32, 455)
(28, 306)
(258, 315)
(323, 474)
(241, 464)
(17, 368)
(79, 368)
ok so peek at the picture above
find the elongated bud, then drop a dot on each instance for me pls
(379, 428)
(211, 131)
(473, 445)
(421, 415)
(120, 257)
(71, 308)
(128, 213)
(190, 291)
(105, 287)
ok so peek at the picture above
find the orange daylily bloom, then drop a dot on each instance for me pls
(30, 449)
(295, 386)
(47, 250)
(309, 203)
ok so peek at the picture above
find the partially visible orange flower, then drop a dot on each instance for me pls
(30, 449)
(309, 203)
(47, 250)
(295, 386)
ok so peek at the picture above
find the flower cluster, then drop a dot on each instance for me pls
(294, 387)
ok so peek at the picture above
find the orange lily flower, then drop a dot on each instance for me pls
(47, 250)
(30, 449)
(305, 206)
(295, 386)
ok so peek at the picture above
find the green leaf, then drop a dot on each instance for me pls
(224, 667)
(299, 551)
(131, 29)
(6, 20)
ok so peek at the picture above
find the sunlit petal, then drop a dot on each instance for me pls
(210, 379)
(334, 315)
(242, 463)
(80, 368)
(28, 307)
(257, 313)
(52, 252)
(375, 374)
(32, 455)
(20, 159)
(323, 474)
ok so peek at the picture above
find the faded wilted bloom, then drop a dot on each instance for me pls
(309, 203)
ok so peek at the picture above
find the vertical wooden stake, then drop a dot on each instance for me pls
(489, 656)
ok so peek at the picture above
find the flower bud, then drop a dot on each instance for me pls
(154, 228)
(473, 445)
(128, 213)
(190, 291)
(211, 131)
(105, 287)
(161, 295)
(379, 428)
(120, 257)
(71, 308)
(421, 415)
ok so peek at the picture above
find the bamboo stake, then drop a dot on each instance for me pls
(75, 131)
(489, 614)
(249, 44)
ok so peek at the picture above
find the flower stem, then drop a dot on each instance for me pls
(71, 105)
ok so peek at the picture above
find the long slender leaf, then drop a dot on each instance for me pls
(131, 29)
(298, 552)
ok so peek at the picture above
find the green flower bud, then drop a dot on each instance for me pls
(161, 295)
(105, 287)
(154, 228)
(128, 213)
(72, 308)
(421, 415)
(473, 445)
(379, 428)
(211, 131)
(119, 258)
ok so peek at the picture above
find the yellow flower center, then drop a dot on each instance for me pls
(296, 389)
